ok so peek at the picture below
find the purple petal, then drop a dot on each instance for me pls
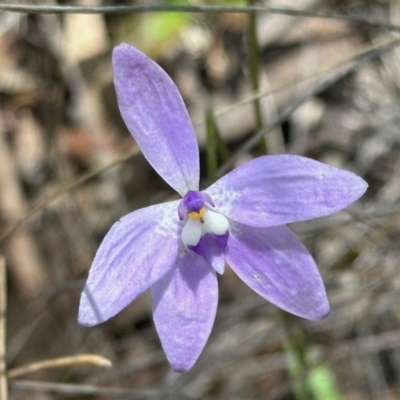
(276, 190)
(277, 266)
(184, 307)
(212, 248)
(154, 112)
(137, 251)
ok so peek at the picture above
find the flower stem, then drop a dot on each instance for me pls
(212, 163)
(298, 365)
(216, 148)
(254, 66)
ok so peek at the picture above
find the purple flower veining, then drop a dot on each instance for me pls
(176, 248)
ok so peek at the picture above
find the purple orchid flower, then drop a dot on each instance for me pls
(176, 248)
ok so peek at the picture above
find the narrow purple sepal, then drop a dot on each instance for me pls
(277, 266)
(212, 248)
(156, 116)
(184, 307)
(137, 251)
(276, 190)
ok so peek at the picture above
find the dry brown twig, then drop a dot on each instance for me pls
(202, 8)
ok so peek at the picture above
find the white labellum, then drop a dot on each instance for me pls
(211, 222)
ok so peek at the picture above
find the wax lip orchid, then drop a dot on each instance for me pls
(176, 248)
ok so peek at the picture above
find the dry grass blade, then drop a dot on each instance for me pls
(90, 359)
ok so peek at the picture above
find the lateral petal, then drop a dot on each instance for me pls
(154, 112)
(276, 190)
(137, 251)
(184, 307)
(277, 266)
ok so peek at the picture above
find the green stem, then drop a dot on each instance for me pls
(299, 369)
(211, 147)
(216, 147)
(253, 65)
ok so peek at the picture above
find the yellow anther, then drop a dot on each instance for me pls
(197, 215)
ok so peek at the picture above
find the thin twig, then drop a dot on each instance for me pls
(81, 359)
(370, 54)
(64, 189)
(3, 309)
(311, 74)
(122, 9)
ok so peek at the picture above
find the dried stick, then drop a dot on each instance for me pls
(134, 8)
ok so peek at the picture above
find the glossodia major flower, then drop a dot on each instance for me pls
(176, 248)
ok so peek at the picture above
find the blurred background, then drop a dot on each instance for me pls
(329, 89)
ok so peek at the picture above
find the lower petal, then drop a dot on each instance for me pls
(137, 251)
(277, 266)
(212, 248)
(184, 307)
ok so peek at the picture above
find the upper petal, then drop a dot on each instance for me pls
(276, 190)
(184, 307)
(137, 251)
(154, 112)
(276, 265)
